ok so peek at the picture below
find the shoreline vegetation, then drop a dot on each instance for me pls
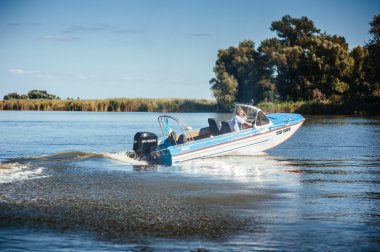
(166, 105)
(302, 70)
(112, 105)
(301, 63)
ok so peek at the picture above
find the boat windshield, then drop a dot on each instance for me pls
(250, 112)
(253, 114)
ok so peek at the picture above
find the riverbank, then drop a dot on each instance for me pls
(361, 108)
(115, 104)
(190, 105)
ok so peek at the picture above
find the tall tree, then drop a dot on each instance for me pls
(329, 65)
(268, 68)
(374, 51)
(224, 88)
(360, 86)
(235, 68)
(292, 30)
(300, 64)
(309, 64)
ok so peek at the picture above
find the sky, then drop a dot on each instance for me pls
(148, 48)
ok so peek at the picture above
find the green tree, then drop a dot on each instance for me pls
(329, 65)
(309, 65)
(360, 86)
(292, 30)
(374, 52)
(289, 56)
(37, 94)
(40, 94)
(301, 64)
(33, 94)
(235, 74)
(267, 69)
(224, 88)
(12, 96)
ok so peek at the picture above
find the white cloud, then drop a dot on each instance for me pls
(17, 72)
(98, 28)
(126, 31)
(88, 77)
(32, 73)
(85, 28)
(129, 79)
(200, 34)
(59, 37)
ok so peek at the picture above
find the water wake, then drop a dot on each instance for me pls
(240, 166)
(125, 157)
(23, 168)
(10, 172)
(253, 169)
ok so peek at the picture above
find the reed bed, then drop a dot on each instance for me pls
(317, 107)
(189, 105)
(116, 105)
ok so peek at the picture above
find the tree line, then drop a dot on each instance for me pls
(300, 64)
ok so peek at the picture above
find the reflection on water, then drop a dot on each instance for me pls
(255, 170)
(318, 191)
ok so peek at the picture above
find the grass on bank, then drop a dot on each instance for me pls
(116, 104)
(316, 107)
(190, 105)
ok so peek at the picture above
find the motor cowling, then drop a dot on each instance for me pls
(144, 143)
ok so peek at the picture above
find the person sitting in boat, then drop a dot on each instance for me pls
(239, 120)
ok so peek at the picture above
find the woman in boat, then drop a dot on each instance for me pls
(239, 120)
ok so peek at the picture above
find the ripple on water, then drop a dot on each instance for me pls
(121, 206)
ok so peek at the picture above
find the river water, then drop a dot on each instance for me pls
(66, 184)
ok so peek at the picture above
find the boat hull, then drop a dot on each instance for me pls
(246, 142)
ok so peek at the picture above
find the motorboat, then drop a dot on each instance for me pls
(180, 142)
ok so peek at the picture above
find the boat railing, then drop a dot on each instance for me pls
(164, 123)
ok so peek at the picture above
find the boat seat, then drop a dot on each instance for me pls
(172, 138)
(226, 127)
(182, 139)
(214, 127)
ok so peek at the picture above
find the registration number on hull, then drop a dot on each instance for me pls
(279, 132)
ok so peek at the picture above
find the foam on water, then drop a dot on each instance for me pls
(257, 169)
(125, 157)
(11, 172)
(22, 168)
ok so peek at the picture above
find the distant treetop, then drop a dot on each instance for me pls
(33, 94)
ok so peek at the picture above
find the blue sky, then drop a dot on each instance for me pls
(149, 48)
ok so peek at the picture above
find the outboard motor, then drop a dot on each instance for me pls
(144, 143)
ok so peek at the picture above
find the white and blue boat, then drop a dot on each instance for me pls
(180, 142)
